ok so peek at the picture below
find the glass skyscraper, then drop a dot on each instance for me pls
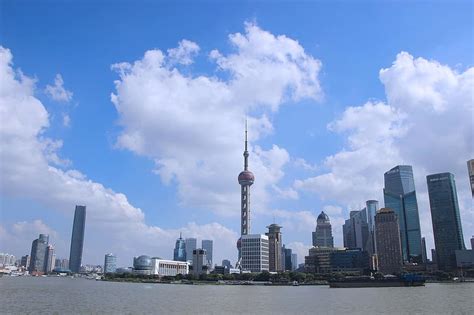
(179, 253)
(191, 245)
(39, 252)
(207, 246)
(77, 239)
(110, 263)
(400, 196)
(447, 228)
(356, 230)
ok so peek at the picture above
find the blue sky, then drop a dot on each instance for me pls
(351, 42)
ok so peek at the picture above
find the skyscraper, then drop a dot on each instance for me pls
(400, 196)
(322, 237)
(38, 260)
(470, 169)
(110, 263)
(246, 179)
(190, 244)
(356, 230)
(372, 207)
(179, 253)
(294, 262)
(207, 246)
(472, 242)
(274, 244)
(254, 249)
(77, 239)
(423, 250)
(199, 261)
(25, 261)
(447, 228)
(387, 238)
(287, 252)
(50, 258)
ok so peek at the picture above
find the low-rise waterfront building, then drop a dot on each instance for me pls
(163, 267)
(142, 265)
(327, 260)
(464, 258)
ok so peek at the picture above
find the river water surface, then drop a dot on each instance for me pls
(39, 295)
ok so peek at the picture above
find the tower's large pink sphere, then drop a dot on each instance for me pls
(246, 178)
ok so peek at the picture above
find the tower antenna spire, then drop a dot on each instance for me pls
(246, 152)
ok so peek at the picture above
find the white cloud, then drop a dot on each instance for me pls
(427, 122)
(66, 120)
(28, 160)
(303, 164)
(57, 91)
(192, 126)
(184, 53)
(332, 210)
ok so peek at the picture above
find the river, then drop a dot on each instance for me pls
(40, 295)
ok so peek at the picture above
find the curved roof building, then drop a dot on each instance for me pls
(322, 237)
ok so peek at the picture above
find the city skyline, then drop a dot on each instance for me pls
(152, 144)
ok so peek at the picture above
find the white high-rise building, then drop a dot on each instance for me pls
(254, 253)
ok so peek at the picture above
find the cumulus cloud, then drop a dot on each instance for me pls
(426, 122)
(29, 169)
(184, 53)
(57, 91)
(192, 126)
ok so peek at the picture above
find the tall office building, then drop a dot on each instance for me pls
(470, 169)
(388, 243)
(50, 258)
(246, 179)
(424, 258)
(472, 242)
(255, 252)
(400, 196)
(25, 261)
(322, 237)
(77, 239)
(356, 230)
(191, 245)
(433, 256)
(110, 263)
(447, 228)
(207, 246)
(372, 207)
(226, 263)
(179, 253)
(38, 260)
(274, 244)
(294, 262)
(287, 252)
(199, 261)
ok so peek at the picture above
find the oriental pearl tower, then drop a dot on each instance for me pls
(246, 179)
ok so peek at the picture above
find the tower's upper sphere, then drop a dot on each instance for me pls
(246, 178)
(323, 217)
